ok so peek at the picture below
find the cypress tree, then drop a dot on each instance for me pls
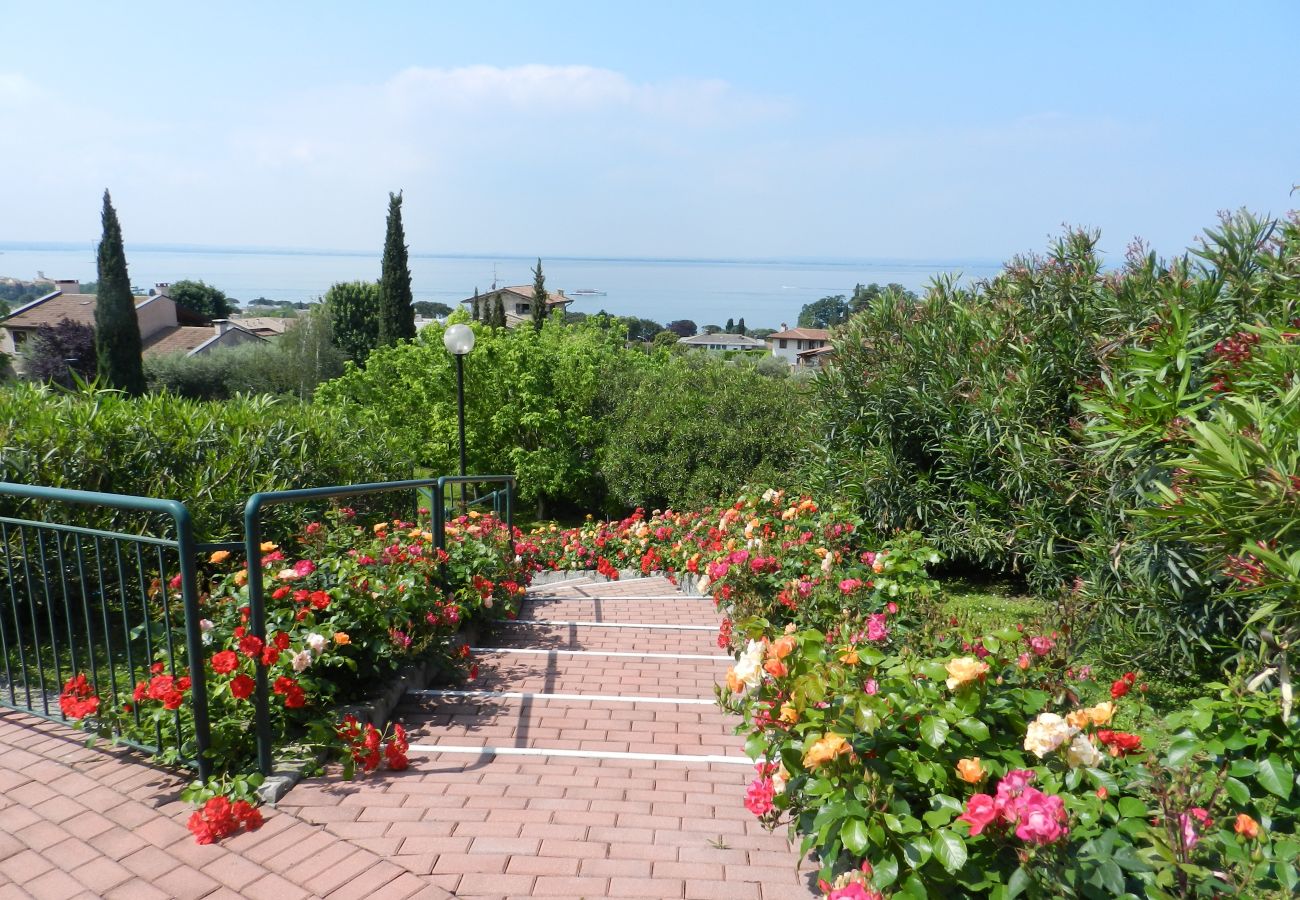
(539, 297)
(396, 312)
(474, 307)
(117, 331)
(730, 327)
(499, 312)
(740, 327)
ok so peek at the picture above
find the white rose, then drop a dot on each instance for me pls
(317, 642)
(487, 602)
(1081, 752)
(301, 660)
(827, 561)
(286, 575)
(1046, 733)
(205, 625)
(779, 779)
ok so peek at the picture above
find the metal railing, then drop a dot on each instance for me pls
(103, 603)
(253, 551)
(502, 498)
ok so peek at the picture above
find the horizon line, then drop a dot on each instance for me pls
(319, 251)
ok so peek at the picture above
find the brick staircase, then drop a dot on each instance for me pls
(587, 760)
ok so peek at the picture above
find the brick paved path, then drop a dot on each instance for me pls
(83, 822)
(622, 796)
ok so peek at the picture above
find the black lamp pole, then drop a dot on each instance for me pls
(460, 416)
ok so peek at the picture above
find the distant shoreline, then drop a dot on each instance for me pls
(891, 262)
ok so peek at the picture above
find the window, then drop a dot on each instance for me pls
(20, 338)
(782, 343)
(521, 309)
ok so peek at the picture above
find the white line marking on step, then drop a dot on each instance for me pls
(606, 599)
(528, 695)
(551, 584)
(538, 651)
(610, 624)
(580, 754)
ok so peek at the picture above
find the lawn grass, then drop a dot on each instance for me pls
(982, 606)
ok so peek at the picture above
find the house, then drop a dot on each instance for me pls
(266, 326)
(814, 359)
(791, 344)
(165, 326)
(518, 303)
(721, 342)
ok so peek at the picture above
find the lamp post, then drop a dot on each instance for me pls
(459, 341)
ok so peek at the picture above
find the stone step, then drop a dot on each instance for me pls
(580, 637)
(673, 611)
(594, 674)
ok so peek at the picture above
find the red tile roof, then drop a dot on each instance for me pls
(802, 334)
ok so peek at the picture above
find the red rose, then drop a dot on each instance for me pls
(225, 662)
(241, 687)
(1119, 689)
(250, 645)
(281, 640)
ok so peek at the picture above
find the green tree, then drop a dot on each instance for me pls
(396, 315)
(352, 306)
(682, 327)
(865, 295)
(202, 298)
(825, 312)
(539, 297)
(118, 346)
(499, 312)
(666, 338)
(740, 326)
(730, 327)
(430, 309)
(712, 329)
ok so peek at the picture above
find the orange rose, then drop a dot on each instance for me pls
(850, 656)
(269, 546)
(1246, 827)
(825, 750)
(219, 557)
(781, 647)
(775, 668)
(241, 577)
(970, 770)
(734, 684)
(341, 638)
(789, 714)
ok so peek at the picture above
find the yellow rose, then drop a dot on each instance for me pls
(1102, 713)
(219, 557)
(789, 714)
(963, 670)
(241, 577)
(380, 527)
(970, 771)
(1079, 718)
(825, 750)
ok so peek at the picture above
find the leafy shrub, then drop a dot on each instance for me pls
(690, 429)
(211, 456)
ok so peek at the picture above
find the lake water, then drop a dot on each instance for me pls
(763, 292)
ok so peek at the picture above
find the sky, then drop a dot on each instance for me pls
(859, 130)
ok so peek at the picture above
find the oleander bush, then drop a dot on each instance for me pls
(1061, 422)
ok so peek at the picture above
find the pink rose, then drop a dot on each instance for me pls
(981, 812)
(304, 567)
(1041, 645)
(876, 628)
(1040, 817)
(758, 798)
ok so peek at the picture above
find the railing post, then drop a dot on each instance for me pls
(186, 551)
(257, 622)
(439, 513)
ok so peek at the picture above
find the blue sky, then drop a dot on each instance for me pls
(755, 130)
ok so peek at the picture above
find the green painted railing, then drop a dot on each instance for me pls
(502, 499)
(98, 602)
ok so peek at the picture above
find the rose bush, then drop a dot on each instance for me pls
(914, 760)
(346, 606)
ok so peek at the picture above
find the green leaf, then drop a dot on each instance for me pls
(934, 731)
(1132, 807)
(1237, 791)
(1180, 750)
(917, 852)
(1018, 883)
(949, 849)
(973, 728)
(1275, 776)
(854, 835)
